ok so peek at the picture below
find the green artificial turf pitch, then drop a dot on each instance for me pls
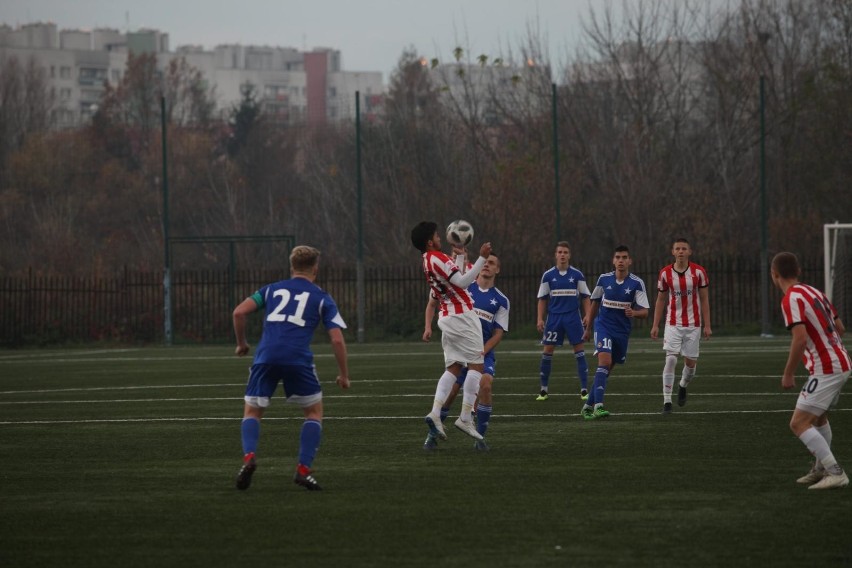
(127, 457)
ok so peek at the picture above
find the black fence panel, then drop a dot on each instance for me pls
(128, 307)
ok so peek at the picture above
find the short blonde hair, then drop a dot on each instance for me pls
(303, 258)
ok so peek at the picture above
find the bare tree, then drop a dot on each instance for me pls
(25, 104)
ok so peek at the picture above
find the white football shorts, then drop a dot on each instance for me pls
(682, 340)
(461, 338)
(821, 392)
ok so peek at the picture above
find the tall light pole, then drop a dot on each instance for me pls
(167, 263)
(359, 186)
(555, 129)
(765, 329)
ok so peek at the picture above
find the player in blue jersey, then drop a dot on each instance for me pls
(618, 297)
(292, 311)
(562, 292)
(492, 307)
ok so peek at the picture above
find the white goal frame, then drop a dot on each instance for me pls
(830, 232)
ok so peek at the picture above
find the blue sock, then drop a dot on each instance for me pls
(250, 430)
(544, 370)
(309, 441)
(582, 369)
(601, 375)
(445, 411)
(483, 415)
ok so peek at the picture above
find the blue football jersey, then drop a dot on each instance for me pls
(616, 296)
(564, 290)
(492, 307)
(294, 308)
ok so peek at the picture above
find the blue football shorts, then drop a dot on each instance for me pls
(559, 326)
(301, 384)
(613, 343)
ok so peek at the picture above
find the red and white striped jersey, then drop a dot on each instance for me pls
(824, 353)
(439, 268)
(684, 307)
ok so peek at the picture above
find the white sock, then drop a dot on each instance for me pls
(817, 445)
(687, 375)
(445, 385)
(669, 377)
(471, 389)
(825, 432)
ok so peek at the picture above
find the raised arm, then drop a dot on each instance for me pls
(465, 280)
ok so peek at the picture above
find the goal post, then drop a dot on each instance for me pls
(837, 248)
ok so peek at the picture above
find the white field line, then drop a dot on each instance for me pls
(360, 396)
(355, 382)
(397, 418)
(63, 357)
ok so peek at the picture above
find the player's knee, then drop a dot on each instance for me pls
(314, 414)
(798, 427)
(801, 421)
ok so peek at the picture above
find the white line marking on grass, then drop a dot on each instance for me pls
(119, 401)
(144, 387)
(430, 380)
(365, 396)
(65, 357)
(343, 418)
(42, 354)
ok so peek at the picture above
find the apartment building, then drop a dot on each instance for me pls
(293, 86)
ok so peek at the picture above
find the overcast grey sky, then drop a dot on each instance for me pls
(371, 34)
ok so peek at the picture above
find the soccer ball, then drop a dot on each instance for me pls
(460, 233)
